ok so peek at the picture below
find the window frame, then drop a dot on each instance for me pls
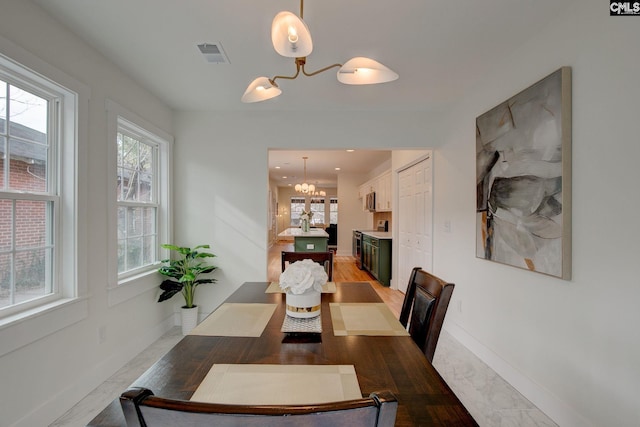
(127, 128)
(56, 96)
(122, 287)
(26, 327)
(297, 201)
(319, 203)
(333, 200)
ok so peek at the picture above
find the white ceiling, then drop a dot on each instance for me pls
(440, 48)
(321, 165)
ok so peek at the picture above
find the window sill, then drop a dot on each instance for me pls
(133, 286)
(29, 326)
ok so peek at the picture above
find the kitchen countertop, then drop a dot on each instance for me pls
(377, 234)
(297, 232)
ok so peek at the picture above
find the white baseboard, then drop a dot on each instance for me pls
(561, 413)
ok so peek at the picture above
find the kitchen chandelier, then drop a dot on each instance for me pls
(308, 189)
(291, 38)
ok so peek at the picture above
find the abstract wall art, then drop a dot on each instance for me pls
(523, 179)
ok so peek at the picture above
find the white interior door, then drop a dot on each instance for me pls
(415, 220)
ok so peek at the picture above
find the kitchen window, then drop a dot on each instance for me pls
(333, 210)
(297, 206)
(316, 206)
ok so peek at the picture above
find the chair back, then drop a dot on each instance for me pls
(425, 303)
(142, 409)
(323, 258)
(332, 231)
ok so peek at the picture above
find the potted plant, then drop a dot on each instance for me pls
(184, 273)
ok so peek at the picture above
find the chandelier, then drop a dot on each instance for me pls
(308, 189)
(291, 38)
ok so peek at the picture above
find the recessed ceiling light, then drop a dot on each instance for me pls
(337, 169)
(277, 167)
(284, 177)
(350, 151)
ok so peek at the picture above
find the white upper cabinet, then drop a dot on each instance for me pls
(381, 185)
(383, 192)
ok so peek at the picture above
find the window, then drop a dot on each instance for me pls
(140, 215)
(137, 200)
(333, 210)
(35, 268)
(317, 207)
(297, 206)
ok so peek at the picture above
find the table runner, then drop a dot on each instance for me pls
(327, 288)
(236, 320)
(364, 319)
(257, 384)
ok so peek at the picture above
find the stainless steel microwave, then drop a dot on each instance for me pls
(371, 201)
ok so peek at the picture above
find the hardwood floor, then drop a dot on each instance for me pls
(344, 270)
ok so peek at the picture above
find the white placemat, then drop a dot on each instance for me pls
(364, 319)
(311, 325)
(236, 320)
(252, 384)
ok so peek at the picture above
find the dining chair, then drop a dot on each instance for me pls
(424, 308)
(142, 409)
(323, 258)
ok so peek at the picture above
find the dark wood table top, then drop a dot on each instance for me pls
(381, 362)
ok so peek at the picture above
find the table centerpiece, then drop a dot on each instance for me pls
(302, 281)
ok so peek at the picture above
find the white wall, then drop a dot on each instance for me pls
(41, 380)
(572, 347)
(221, 175)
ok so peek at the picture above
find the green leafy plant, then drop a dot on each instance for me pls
(184, 273)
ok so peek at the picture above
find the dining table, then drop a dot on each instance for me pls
(383, 360)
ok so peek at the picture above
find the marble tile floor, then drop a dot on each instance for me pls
(490, 399)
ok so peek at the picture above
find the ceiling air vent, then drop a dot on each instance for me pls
(213, 53)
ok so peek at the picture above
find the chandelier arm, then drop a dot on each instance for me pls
(295, 76)
(320, 70)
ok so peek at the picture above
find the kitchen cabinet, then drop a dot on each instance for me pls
(363, 190)
(314, 240)
(310, 244)
(376, 257)
(383, 193)
(381, 185)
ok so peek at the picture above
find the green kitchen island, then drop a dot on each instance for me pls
(314, 240)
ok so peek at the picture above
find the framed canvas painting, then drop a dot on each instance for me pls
(523, 178)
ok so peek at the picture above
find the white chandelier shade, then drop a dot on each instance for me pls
(365, 71)
(305, 188)
(261, 89)
(308, 189)
(290, 36)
